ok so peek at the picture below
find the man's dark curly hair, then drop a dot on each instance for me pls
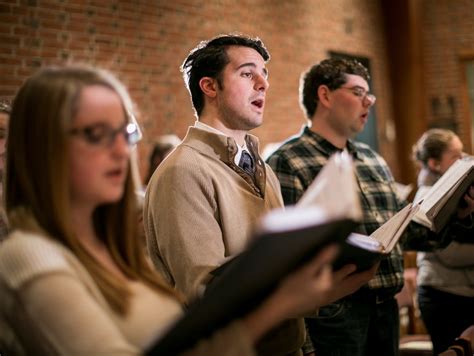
(330, 72)
(209, 58)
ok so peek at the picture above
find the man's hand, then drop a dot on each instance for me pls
(298, 294)
(346, 281)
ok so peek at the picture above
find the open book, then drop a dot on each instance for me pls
(364, 251)
(336, 189)
(442, 199)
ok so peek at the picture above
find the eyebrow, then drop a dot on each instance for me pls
(251, 64)
(360, 87)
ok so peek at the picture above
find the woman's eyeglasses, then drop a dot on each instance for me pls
(103, 135)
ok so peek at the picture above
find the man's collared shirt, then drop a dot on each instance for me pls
(240, 149)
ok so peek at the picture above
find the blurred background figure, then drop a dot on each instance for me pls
(445, 277)
(163, 146)
(4, 117)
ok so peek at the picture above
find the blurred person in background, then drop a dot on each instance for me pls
(445, 276)
(162, 147)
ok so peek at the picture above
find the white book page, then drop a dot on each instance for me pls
(439, 192)
(420, 217)
(335, 189)
(441, 195)
(365, 242)
(293, 218)
(442, 201)
(389, 233)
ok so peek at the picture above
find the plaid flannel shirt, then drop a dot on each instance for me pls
(299, 161)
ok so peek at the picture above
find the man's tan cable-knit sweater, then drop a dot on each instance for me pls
(201, 208)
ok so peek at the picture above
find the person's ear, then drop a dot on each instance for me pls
(434, 165)
(208, 86)
(323, 95)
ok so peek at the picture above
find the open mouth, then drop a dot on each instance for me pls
(258, 103)
(115, 173)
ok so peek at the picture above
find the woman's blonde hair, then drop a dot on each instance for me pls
(432, 144)
(37, 178)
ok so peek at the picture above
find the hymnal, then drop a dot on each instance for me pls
(443, 198)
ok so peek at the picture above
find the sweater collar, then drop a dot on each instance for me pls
(224, 148)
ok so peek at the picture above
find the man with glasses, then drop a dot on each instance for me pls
(336, 100)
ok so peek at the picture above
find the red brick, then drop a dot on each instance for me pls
(145, 42)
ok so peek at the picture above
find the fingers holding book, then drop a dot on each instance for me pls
(306, 289)
(300, 293)
(348, 281)
(315, 284)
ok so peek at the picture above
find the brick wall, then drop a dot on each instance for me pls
(448, 39)
(144, 42)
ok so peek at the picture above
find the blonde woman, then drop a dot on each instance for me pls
(73, 279)
(445, 276)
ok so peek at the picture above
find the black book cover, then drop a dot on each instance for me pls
(362, 258)
(245, 281)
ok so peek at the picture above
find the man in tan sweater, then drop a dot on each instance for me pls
(209, 203)
(214, 186)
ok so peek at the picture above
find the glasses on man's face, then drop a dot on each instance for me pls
(362, 94)
(104, 136)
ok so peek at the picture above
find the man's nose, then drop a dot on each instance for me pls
(262, 83)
